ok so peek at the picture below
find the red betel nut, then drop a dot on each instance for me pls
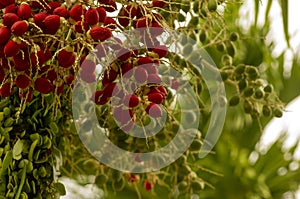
(24, 11)
(4, 35)
(157, 98)
(110, 23)
(76, 12)
(9, 19)
(39, 19)
(19, 28)
(6, 90)
(154, 110)
(102, 14)
(91, 16)
(140, 75)
(52, 24)
(131, 101)
(100, 33)
(80, 26)
(22, 81)
(159, 3)
(42, 85)
(11, 48)
(66, 58)
(61, 11)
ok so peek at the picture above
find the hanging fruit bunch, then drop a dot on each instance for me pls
(47, 46)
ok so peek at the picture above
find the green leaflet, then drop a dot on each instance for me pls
(23, 177)
(17, 149)
(54, 128)
(60, 188)
(256, 12)
(285, 20)
(7, 160)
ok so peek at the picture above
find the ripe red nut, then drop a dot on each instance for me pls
(123, 18)
(99, 33)
(51, 75)
(144, 60)
(2, 74)
(9, 19)
(154, 79)
(6, 90)
(22, 81)
(81, 27)
(123, 54)
(88, 66)
(122, 115)
(1, 52)
(11, 9)
(140, 11)
(69, 80)
(42, 85)
(7, 2)
(61, 11)
(102, 14)
(109, 76)
(110, 23)
(140, 75)
(131, 101)
(159, 3)
(26, 94)
(144, 21)
(131, 10)
(4, 35)
(154, 110)
(163, 91)
(88, 77)
(37, 4)
(39, 19)
(91, 16)
(11, 48)
(99, 98)
(66, 58)
(161, 50)
(24, 46)
(101, 50)
(104, 1)
(109, 89)
(41, 58)
(156, 29)
(24, 11)
(150, 68)
(4, 63)
(52, 6)
(19, 28)
(127, 69)
(76, 12)
(52, 24)
(112, 6)
(58, 89)
(21, 63)
(156, 98)
(148, 185)
(44, 69)
(47, 53)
